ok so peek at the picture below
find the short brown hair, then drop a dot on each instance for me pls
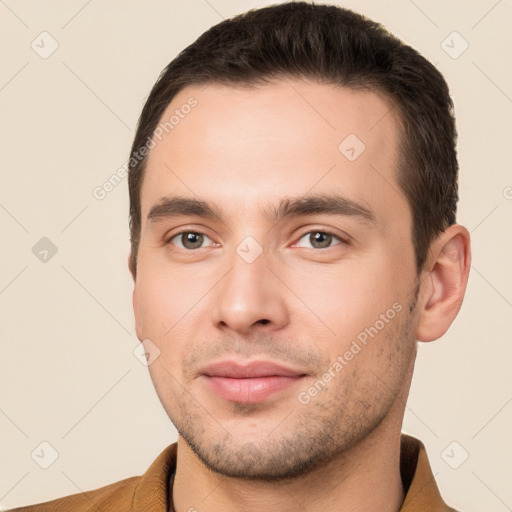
(333, 46)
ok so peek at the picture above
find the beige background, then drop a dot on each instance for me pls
(68, 374)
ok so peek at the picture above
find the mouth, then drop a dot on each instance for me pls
(250, 383)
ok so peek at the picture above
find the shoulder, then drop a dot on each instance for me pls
(116, 496)
(136, 493)
(421, 491)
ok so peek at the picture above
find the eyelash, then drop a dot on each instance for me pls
(175, 235)
(323, 231)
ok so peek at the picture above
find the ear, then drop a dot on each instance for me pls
(444, 282)
(135, 304)
(136, 312)
(130, 266)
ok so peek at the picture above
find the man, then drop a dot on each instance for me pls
(293, 190)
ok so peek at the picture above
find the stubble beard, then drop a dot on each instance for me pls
(309, 436)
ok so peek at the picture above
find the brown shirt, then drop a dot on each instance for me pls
(151, 492)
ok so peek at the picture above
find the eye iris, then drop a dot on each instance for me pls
(320, 240)
(191, 240)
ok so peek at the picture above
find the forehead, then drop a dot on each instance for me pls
(241, 146)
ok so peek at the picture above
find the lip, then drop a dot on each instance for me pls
(249, 383)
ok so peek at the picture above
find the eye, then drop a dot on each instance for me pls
(318, 240)
(189, 240)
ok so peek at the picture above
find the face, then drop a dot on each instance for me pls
(276, 274)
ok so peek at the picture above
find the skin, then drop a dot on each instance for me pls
(299, 303)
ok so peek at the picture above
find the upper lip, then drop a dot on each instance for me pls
(254, 369)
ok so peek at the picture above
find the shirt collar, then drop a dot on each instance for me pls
(154, 492)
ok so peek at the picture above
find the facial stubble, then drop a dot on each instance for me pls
(309, 435)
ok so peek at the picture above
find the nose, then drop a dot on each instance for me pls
(249, 298)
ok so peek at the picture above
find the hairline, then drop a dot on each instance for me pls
(397, 111)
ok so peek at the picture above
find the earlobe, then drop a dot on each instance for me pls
(138, 330)
(130, 266)
(445, 284)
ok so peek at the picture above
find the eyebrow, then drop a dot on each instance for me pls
(327, 204)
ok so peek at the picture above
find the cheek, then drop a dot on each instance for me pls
(339, 302)
(167, 383)
(160, 313)
(164, 295)
(170, 311)
(153, 305)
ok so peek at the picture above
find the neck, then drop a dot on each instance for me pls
(363, 478)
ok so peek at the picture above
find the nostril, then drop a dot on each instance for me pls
(264, 321)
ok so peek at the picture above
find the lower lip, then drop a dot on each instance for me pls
(251, 390)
